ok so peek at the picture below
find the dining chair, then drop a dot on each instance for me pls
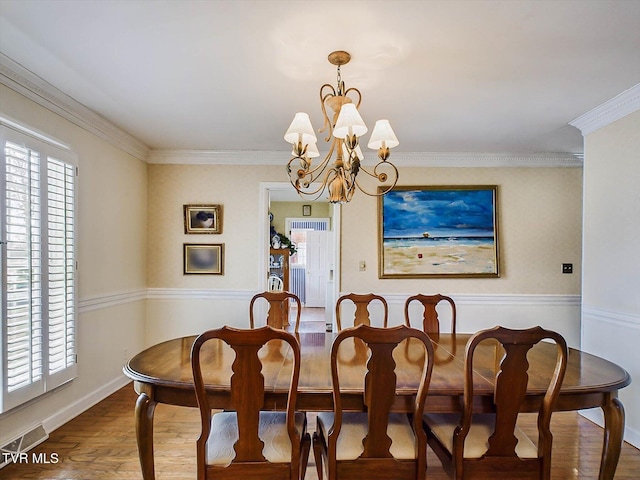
(377, 443)
(489, 446)
(275, 284)
(245, 441)
(278, 313)
(430, 320)
(361, 302)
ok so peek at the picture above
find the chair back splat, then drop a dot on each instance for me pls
(487, 446)
(378, 443)
(246, 440)
(278, 314)
(430, 321)
(361, 302)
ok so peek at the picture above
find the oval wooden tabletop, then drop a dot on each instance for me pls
(168, 364)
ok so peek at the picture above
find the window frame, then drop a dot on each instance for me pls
(48, 148)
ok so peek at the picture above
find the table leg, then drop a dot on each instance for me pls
(145, 408)
(613, 436)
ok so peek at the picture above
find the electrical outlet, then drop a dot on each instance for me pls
(567, 268)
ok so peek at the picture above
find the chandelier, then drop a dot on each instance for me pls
(339, 176)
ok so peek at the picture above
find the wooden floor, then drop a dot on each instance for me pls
(100, 444)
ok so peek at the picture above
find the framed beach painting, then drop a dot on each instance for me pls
(438, 231)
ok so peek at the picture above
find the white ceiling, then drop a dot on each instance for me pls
(451, 76)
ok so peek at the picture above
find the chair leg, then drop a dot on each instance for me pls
(304, 454)
(317, 453)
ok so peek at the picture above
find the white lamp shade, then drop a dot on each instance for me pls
(382, 135)
(349, 122)
(300, 126)
(358, 152)
(312, 151)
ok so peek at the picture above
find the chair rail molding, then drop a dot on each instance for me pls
(497, 299)
(202, 294)
(112, 299)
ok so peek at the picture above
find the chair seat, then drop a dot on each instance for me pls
(476, 444)
(354, 429)
(272, 430)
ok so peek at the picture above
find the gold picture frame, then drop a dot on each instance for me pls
(438, 231)
(203, 259)
(205, 219)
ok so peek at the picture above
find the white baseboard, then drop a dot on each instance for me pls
(631, 435)
(76, 408)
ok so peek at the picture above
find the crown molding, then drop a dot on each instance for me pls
(27, 83)
(400, 159)
(217, 157)
(610, 111)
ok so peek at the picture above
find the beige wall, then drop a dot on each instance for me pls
(539, 229)
(112, 237)
(611, 284)
(612, 216)
(236, 189)
(283, 210)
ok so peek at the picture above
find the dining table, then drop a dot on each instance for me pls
(162, 374)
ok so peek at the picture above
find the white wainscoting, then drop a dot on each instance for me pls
(177, 312)
(616, 337)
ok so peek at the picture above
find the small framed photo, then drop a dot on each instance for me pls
(203, 219)
(203, 259)
(306, 210)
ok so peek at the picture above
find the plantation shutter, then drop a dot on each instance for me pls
(37, 207)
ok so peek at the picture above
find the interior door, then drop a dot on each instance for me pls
(316, 268)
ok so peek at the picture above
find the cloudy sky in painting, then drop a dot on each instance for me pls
(409, 213)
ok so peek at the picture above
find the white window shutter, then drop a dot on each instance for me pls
(38, 300)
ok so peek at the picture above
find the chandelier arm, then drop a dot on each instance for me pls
(302, 177)
(315, 172)
(300, 188)
(320, 190)
(323, 98)
(308, 177)
(322, 165)
(377, 175)
(353, 89)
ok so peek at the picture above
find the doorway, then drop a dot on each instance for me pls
(282, 191)
(309, 267)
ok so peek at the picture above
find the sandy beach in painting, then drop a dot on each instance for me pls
(419, 258)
